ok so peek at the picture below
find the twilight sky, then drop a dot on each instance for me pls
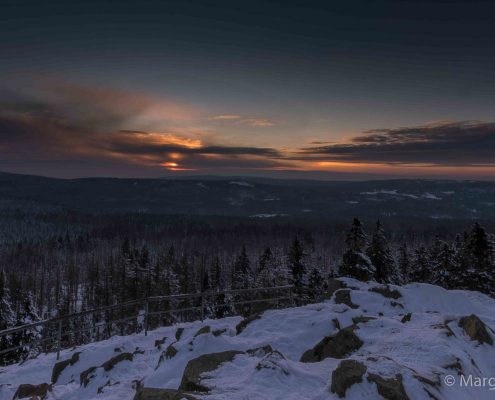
(328, 89)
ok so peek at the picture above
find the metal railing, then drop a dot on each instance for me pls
(55, 334)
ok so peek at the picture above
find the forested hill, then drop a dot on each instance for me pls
(252, 197)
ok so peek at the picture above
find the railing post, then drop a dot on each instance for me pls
(202, 306)
(146, 317)
(59, 338)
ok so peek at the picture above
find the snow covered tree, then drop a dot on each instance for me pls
(443, 263)
(7, 319)
(421, 266)
(403, 263)
(316, 284)
(380, 256)
(27, 339)
(242, 271)
(355, 263)
(297, 267)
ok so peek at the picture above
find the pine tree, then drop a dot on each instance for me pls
(355, 263)
(7, 320)
(404, 264)
(379, 253)
(242, 273)
(421, 266)
(316, 284)
(28, 339)
(297, 267)
(443, 264)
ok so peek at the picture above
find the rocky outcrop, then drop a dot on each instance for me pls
(108, 365)
(475, 329)
(348, 373)
(161, 394)
(332, 286)
(362, 319)
(85, 376)
(339, 345)
(160, 342)
(178, 333)
(406, 318)
(59, 367)
(245, 322)
(202, 331)
(343, 296)
(191, 379)
(391, 388)
(27, 391)
(219, 332)
(385, 291)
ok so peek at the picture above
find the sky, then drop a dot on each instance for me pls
(334, 89)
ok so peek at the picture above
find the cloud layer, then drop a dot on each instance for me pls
(465, 143)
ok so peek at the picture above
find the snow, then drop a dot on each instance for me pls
(242, 183)
(420, 347)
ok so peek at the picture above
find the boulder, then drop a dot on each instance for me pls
(202, 331)
(340, 345)
(219, 332)
(178, 333)
(86, 376)
(332, 286)
(406, 318)
(161, 394)
(475, 329)
(343, 296)
(160, 342)
(108, 365)
(27, 391)
(385, 291)
(391, 388)
(345, 375)
(245, 322)
(60, 366)
(191, 379)
(362, 319)
(170, 352)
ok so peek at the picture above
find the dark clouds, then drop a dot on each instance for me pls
(99, 127)
(465, 143)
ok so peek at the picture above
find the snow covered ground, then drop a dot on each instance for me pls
(412, 342)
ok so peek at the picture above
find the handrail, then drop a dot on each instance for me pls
(145, 302)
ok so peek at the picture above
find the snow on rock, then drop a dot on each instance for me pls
(396, 343)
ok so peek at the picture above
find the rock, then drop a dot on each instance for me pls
(385, 291)
(170, 352)
(178, 333)
(161, 394)
(191, 379)
(339, 345)
(160, 342)
(272, 360)
(219, 332)
(362, 319)
(475, 329)
(406, 318)
(333, 285)
(108, 365)
(345, 375)
(343, 296)
(396, 304)
(391, 388)
(202, 331)
(260, 351)
(60, 366)
(336, 323)
(245, 322)
(86, 376)
(27, 391)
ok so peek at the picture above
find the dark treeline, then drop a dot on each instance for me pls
(57, 264)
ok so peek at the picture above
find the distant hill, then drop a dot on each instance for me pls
(253, 197)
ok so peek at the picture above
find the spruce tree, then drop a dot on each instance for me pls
(404, 264)
(297, 267)
(421, 266)
(355, 263)
(379, 253)
(7, 320)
